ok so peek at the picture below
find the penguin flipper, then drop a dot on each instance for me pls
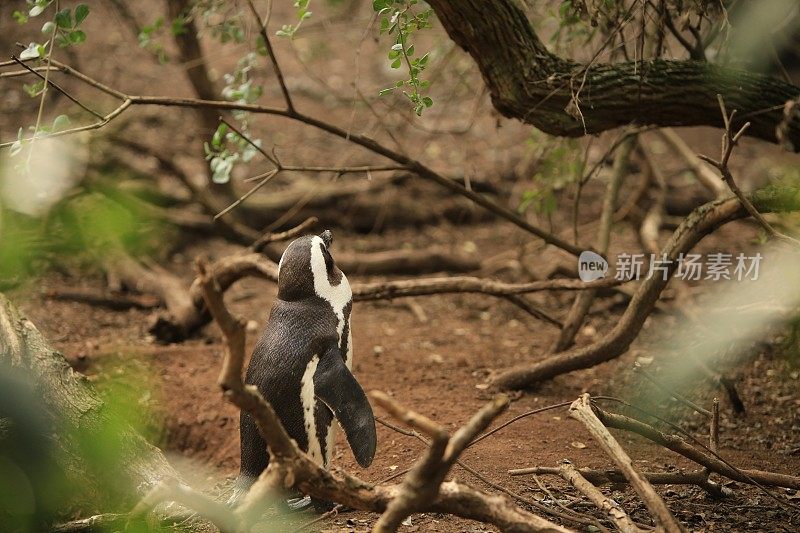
(339, 390)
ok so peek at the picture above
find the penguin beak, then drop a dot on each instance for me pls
(327, 238)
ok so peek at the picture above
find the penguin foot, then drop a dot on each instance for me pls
(317, 505)
(299, 504)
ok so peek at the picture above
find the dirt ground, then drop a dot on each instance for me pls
(437, 366)
(436, 362)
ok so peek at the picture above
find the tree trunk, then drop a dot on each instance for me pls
(69, 399)
(562, 97)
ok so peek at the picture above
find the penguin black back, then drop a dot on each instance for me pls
(301, 362)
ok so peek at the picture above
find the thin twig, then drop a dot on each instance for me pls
(729, 141)
(57, 87)
(262, 28)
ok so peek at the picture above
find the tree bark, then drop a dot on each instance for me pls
(562, 97)
(68, 399)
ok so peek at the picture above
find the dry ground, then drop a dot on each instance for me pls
(436, 365)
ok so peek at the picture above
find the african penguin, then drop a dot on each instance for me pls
(301, 364)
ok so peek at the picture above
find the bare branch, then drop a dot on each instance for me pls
(581, 410)
(612, 509)
(262, 29)
(697, 225)
(404, 161)
(729, 140)
(601, 477)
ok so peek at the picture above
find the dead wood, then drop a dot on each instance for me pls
(183, 320)
(605, 477)
(729, 140)
(394, 262)
(109, 300)
(706, 459)
(704, 174)
(290, 467)
(613, 511)
(700, 223)
(67, 398)
(581, 410)
(654, 218)
(583, 301)
(423, 481)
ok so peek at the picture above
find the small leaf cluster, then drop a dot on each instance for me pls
(226, 147)
(225, 150)
(147, 39)
(401, 18)
(239, 87)
(557, 164)
(59, 123)
(289, 30)
(224, 19)
(64, 29)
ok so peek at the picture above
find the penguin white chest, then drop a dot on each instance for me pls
(338, 296)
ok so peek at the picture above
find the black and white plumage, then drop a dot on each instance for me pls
(301, 364)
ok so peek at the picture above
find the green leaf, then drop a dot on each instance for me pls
(261, 46)
(81, 12)
(219, 135)
(20, 17)
(64, 18)
(396, 63)
(61, 121)
(77, 36)
(427, 101)
(386, 91)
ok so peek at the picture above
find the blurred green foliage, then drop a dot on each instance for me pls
(85, 229)
(556, 163)
(40, 483)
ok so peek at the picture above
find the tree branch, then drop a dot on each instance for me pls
(526, 81)
(697, 225)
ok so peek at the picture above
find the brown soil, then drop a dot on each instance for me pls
(436, 366)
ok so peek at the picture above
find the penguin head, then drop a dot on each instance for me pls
(307, 268)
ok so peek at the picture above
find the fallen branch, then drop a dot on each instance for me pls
(581, 410)
(713, 463)
(291, 468)
(109, 300)
(653, 219)
(701, 222)
(604, 477)
(611, 508)
(729, 140)
(422, 483)
(583, 301)
(704, 174)
(68, 399)
(233, 268)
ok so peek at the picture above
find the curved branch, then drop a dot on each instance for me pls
(528, 82)
(702, 221)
